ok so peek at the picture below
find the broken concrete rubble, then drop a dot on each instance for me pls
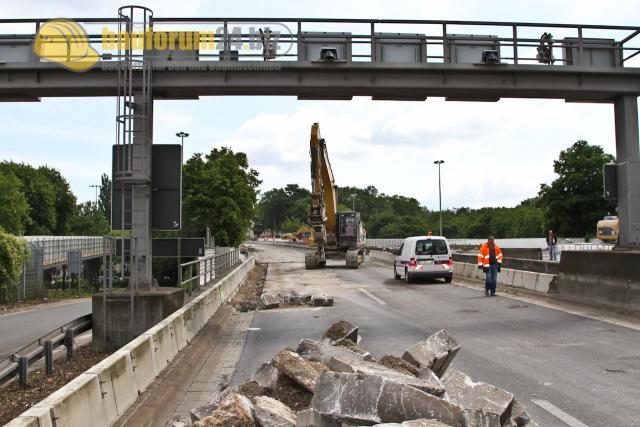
(300, 370)
(310, 418)
(434, 387)
(322, 351)
(341, 331)
(487, 404)
(334, 382)
(415, 423)
(269, 301)
(267, 376)
(367, 399)
(234, 410)
(269, 412)
(323, 301)
(436, 352)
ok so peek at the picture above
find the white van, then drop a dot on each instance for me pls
(424, 256)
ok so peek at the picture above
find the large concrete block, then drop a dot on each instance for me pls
(269, 412)
(234, 410)
(310, 418)
(300, 370)
(267, 376)
(150, 308)
(486, 404)
(429, 385)
(322, 351)
(269, 301)
(436, 352)
(371, 399)
(423, 422)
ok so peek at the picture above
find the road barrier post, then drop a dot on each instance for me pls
(68, 342)
(48, 356)
(23, 371)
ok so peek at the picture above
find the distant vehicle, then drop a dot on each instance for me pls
(424, 256)
(607, 229)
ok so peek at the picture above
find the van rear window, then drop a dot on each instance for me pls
(431, 247)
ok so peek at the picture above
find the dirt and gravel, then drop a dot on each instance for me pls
(248, 296)
(291, 394)
(14, 400)
(398, 364)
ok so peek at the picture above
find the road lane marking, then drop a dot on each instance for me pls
(373, 297)
(253, 329)
(559, 413)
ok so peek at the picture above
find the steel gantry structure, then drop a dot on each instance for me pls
(407, 60)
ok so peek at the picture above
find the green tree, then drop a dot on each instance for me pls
(275, 208)
(89, 220)
(573, 203)
(64, 200)
(14, 209)
(220, 192)
(104, 197)
(13, 254)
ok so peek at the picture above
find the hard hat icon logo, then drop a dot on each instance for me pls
(67, 43)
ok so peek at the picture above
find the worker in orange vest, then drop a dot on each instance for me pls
(490, 261)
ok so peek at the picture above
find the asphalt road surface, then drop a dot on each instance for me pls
(565, 368)
(23, 327)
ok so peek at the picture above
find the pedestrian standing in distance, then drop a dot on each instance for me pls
(552, 242)
(490, 261)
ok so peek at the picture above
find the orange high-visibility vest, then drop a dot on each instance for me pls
(483, 255)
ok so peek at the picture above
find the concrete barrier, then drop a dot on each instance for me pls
(103, 393)
(536, 266)
(384, 257)
(609, 278)
(538, 282)
(33, 417)
(142, 353)
(115, 373)
(79, 403)
(164, 345)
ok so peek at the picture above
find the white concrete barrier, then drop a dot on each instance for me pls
(33, 417)
(115, 373)
(538, 282)
(384, 257)
(99, 396)
(142, 352)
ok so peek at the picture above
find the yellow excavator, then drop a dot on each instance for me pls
(336, 235)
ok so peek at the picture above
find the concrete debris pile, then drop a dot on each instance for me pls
(270, 301)
(333, 382)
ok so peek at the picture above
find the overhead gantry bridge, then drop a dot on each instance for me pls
(408, 60)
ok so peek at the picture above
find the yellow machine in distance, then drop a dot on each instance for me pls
(608, 229)
(337, 235)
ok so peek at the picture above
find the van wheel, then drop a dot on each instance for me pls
(407, 276)
(395, 273)
(448, 279)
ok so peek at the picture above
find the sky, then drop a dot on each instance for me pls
(496, 154)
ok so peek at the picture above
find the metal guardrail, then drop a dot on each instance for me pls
(18, 363)
(207, 268)
(229, 37)
(567, 244)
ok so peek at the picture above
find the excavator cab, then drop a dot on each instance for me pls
(349, 229)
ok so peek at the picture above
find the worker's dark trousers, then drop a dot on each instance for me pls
(492, 277)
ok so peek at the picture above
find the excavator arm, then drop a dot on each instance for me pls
(323, 212)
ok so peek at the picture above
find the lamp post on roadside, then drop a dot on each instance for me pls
(353, 202)
(182, 136)
(439, 162)
(96, 187)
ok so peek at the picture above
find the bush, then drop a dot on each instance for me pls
(13, 254)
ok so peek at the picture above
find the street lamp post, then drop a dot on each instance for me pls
(439, 162)
(353, 202)
(182, 136)
(96, 187)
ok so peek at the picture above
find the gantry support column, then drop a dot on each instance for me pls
(628, 161)
(141, 256)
